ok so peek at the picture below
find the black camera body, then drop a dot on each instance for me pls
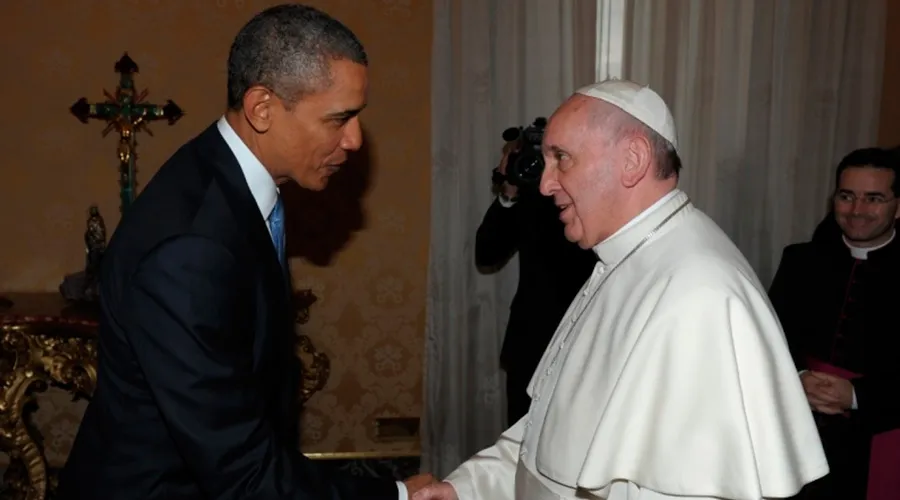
(525, 166)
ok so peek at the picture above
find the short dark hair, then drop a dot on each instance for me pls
(888, 159)
(288, 49)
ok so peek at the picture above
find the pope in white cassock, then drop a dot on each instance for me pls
(669, 375)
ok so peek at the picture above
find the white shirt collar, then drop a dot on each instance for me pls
(863, 253)
(259, 180)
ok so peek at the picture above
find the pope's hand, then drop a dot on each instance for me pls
(437, 491)
(417, 482)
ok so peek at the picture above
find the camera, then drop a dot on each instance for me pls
(525, 166)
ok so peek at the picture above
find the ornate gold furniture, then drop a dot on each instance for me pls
(43, 343)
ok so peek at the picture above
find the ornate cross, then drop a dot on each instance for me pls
(126, 113)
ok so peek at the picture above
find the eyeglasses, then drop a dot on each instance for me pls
(868, 199)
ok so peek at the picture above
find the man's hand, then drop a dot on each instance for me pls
(417, 482)
(437, 491)
(827, 393)
(508, 189)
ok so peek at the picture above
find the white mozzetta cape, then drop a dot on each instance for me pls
(674, 377)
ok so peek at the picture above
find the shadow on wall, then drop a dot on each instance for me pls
(319, 224)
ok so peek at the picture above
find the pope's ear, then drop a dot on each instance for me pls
(258, 106)
(638, 160)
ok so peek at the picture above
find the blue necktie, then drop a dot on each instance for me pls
(276, 225)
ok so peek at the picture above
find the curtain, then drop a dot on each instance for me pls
(767, 95)
(495, 64)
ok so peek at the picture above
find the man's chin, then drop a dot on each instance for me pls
(572, 235)
(313, 184)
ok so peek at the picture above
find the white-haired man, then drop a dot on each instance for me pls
(669, 376)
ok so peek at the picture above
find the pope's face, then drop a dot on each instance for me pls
(865, 206)
(579, 171)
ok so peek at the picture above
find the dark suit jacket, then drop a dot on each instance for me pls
(197, 379)
(551, 271)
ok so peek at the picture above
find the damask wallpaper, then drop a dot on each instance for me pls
(361, 246)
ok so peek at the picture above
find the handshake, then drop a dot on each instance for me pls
(426, 487)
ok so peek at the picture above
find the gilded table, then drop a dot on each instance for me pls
(43, 342)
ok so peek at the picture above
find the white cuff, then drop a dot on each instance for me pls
(506, 202)
(402, 492)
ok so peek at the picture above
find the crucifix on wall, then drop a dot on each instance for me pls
(126, 113)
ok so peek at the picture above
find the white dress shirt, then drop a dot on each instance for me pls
(265, 192)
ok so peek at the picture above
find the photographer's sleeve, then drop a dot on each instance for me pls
(497, 239)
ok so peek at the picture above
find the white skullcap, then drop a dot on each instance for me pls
(638, 101)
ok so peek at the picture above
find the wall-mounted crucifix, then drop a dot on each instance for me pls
(126, 113)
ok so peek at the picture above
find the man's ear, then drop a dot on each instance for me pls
(638, 160)
(258, 107)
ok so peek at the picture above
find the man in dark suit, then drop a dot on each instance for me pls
(551, 271)
(197, 374)
(836, 297)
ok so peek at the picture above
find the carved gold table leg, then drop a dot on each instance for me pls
(26, 478)
(29, 363)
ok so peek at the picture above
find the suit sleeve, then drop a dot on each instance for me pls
(781, 295)
(199, 368)
(495, 240)
(491, 473)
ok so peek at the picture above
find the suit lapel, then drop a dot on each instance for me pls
(250, 221)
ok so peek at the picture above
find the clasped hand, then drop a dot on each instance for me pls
(827, 393)
(426, 487)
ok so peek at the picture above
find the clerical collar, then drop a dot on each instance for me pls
(863, 253)
(612, 249)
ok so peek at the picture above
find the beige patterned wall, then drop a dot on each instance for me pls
(369, 271)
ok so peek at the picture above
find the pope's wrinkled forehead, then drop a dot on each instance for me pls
(575, 119)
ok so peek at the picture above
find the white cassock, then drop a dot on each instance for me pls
(669, 376)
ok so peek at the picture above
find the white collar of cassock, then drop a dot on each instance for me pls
(862, 253)
(613, 249)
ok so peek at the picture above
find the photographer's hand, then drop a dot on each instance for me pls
(507, 190)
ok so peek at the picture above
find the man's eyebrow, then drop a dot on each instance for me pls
(554, 149)
(347, 113)
(865, 193)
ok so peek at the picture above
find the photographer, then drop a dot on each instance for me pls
(551, 269)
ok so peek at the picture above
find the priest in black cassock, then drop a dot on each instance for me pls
(837, 297)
